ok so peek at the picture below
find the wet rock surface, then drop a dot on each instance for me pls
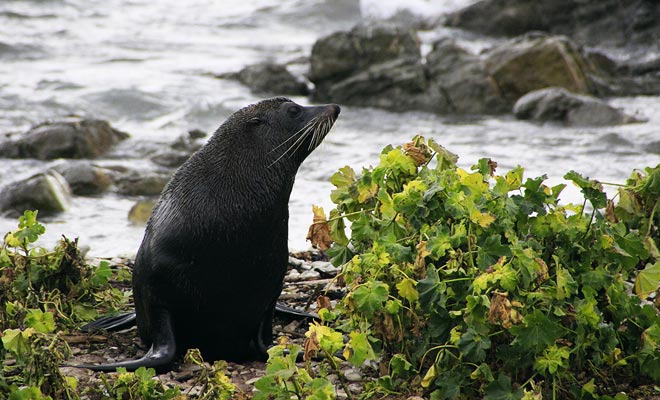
(461, 78)
(87, 138)
(140, 183)
(376, 65)
(602, 23)
(381, 65)
(85, 178)
(560, 105)
(180, 150)
(535, 62)
(47, 192)
(141, 211)
(270, 78)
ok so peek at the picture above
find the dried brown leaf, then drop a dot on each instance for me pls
(324, 302)
(501, 311)
(609, 212)
(419, 152)
(319, 231)
(311, 347)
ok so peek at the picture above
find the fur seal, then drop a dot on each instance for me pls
(210, 267)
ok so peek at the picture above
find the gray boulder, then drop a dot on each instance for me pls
(461, 78)
(270, 78)
(371, 65)
(537, 61)
(87, 138)
(47, 192)
(343, 53)
(627, 23)
(85, 178)
(142, 184)
(560, 105)
(397, 85)
(180, 150)
(381, 65)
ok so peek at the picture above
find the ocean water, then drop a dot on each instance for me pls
(147, 67)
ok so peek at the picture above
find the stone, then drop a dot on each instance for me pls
(325, 267)
(461, 78)
(85, 178)
(170, 158)
(340, 54)
(557, 104)
(397, 85)
(375, 64)
(47, 192)
(352, 375)
(292, 276)
(310, 274)
(535, 62)
(271, 78)
(87, 138)
(180, 150)
(141, 211)
(595, 23)
(137, 184)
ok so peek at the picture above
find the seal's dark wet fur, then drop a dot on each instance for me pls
(214, 254)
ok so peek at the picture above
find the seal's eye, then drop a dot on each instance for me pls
(294, 111)
(255, 121)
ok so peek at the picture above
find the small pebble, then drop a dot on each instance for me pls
(311, 274)
(294, 262)
(293, 276)
(352, 375)
(292, 326)
(355, 388)
(252, 381)
(325, 267)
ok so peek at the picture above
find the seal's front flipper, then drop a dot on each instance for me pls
(160, 355)
(111, 323)
(285, 311)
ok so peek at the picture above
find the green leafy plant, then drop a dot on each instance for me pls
(140, 384)
(58, 282)
(470, 284)
(215, 385)
(284, 379)
(43, 292)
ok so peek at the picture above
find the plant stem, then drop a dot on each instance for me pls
(655, 208)
(340, 375)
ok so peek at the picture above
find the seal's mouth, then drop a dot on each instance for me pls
(311, 134)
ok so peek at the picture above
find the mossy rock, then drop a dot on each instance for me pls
(47, 192)
(534, 62)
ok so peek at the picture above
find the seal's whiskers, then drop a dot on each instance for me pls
(301, 134)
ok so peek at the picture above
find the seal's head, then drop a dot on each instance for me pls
(279, 131)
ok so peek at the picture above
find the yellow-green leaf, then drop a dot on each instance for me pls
(482, 219)
(647, 280)
(17, 341)
(429, 377)
(407, 289)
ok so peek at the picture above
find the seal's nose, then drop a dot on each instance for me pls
(335, 109)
